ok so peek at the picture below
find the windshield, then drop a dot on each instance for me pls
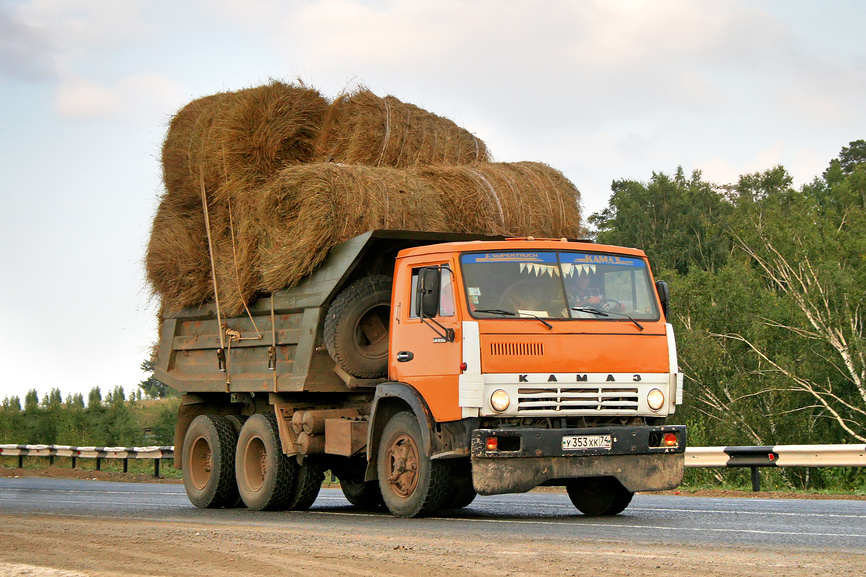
(553, 284)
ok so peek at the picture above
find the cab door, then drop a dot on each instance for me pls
(426, 352)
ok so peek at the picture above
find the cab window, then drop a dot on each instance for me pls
(446, 292)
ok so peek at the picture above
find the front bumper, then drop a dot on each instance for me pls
(530, 457)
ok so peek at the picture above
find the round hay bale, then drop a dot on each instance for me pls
(362, 128)
(512, 199)
(177, 263)
(307, 210)
(243, 137)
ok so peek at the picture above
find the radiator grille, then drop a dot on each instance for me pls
(517, 349)
(577, 399)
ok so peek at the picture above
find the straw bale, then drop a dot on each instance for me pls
(185, 161)
(362, 128)
(307, 210)
(177, 262)
(243, 137)
(267, 128)
(513, 199)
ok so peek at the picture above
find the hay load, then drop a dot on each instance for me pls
(275, 212)
(362, 128)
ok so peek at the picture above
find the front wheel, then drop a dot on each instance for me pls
(596, 496)
(412, 484)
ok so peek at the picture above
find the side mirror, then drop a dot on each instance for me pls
(664, 295)
(429, 281)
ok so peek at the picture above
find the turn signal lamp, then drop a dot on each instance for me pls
(670, 440)
(492, 444)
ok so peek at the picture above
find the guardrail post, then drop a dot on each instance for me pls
(756, 480)
(125, 465)
(98, 464)
(74, 461)
(20, 461)
(156, 467)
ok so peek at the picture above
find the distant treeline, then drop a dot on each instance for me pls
(109, 422)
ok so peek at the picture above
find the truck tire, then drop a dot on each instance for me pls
(365, 495)
(412, 484)
(460, 497)
(461, 493)
(266, 477)
(356, 327)
(209, 462)
(307, 486)
(596, 496)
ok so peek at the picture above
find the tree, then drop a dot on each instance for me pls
(94, 398)
(809, 247)
(31, 401)
(676, 221)
(11, 421)
(153, 388)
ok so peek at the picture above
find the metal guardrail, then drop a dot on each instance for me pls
(98, 453)
(776, 456)
(752, 457)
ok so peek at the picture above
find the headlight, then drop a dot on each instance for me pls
(655, 399)
(500, 400)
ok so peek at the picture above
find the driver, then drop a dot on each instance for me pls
(581, 294)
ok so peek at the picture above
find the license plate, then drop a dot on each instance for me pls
(585, 442)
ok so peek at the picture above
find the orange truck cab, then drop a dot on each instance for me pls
(431, 368)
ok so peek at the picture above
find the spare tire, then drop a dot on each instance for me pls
(356, 327)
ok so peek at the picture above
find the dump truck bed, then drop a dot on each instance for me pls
(278, 346)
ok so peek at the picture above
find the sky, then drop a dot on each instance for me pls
(602, 90)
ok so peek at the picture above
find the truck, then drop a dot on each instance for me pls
(423, 369)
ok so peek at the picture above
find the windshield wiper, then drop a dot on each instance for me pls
(599, 313)
(511, 314)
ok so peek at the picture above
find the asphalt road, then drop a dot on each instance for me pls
(795, 524)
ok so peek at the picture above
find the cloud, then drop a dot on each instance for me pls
(143, 97)
(26, 53)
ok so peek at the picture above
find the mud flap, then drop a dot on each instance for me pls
(635, 472)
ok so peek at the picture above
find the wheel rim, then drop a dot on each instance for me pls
(255, 464)
(200, 463)
(403, 466)
(371, 337)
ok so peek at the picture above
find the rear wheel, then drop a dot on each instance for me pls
(209, 462)
(266, 478)
(362, 494)
(460, 497)
(307, 486)
(461, 493)
(598, 495)
(412, 484)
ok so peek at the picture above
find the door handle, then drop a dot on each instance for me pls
(405, 356)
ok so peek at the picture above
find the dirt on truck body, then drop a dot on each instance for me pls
(426, 368)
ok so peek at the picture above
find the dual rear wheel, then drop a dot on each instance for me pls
(224, 468)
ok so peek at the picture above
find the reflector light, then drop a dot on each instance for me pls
(492, 443)
(463, 367)
(670, 440)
